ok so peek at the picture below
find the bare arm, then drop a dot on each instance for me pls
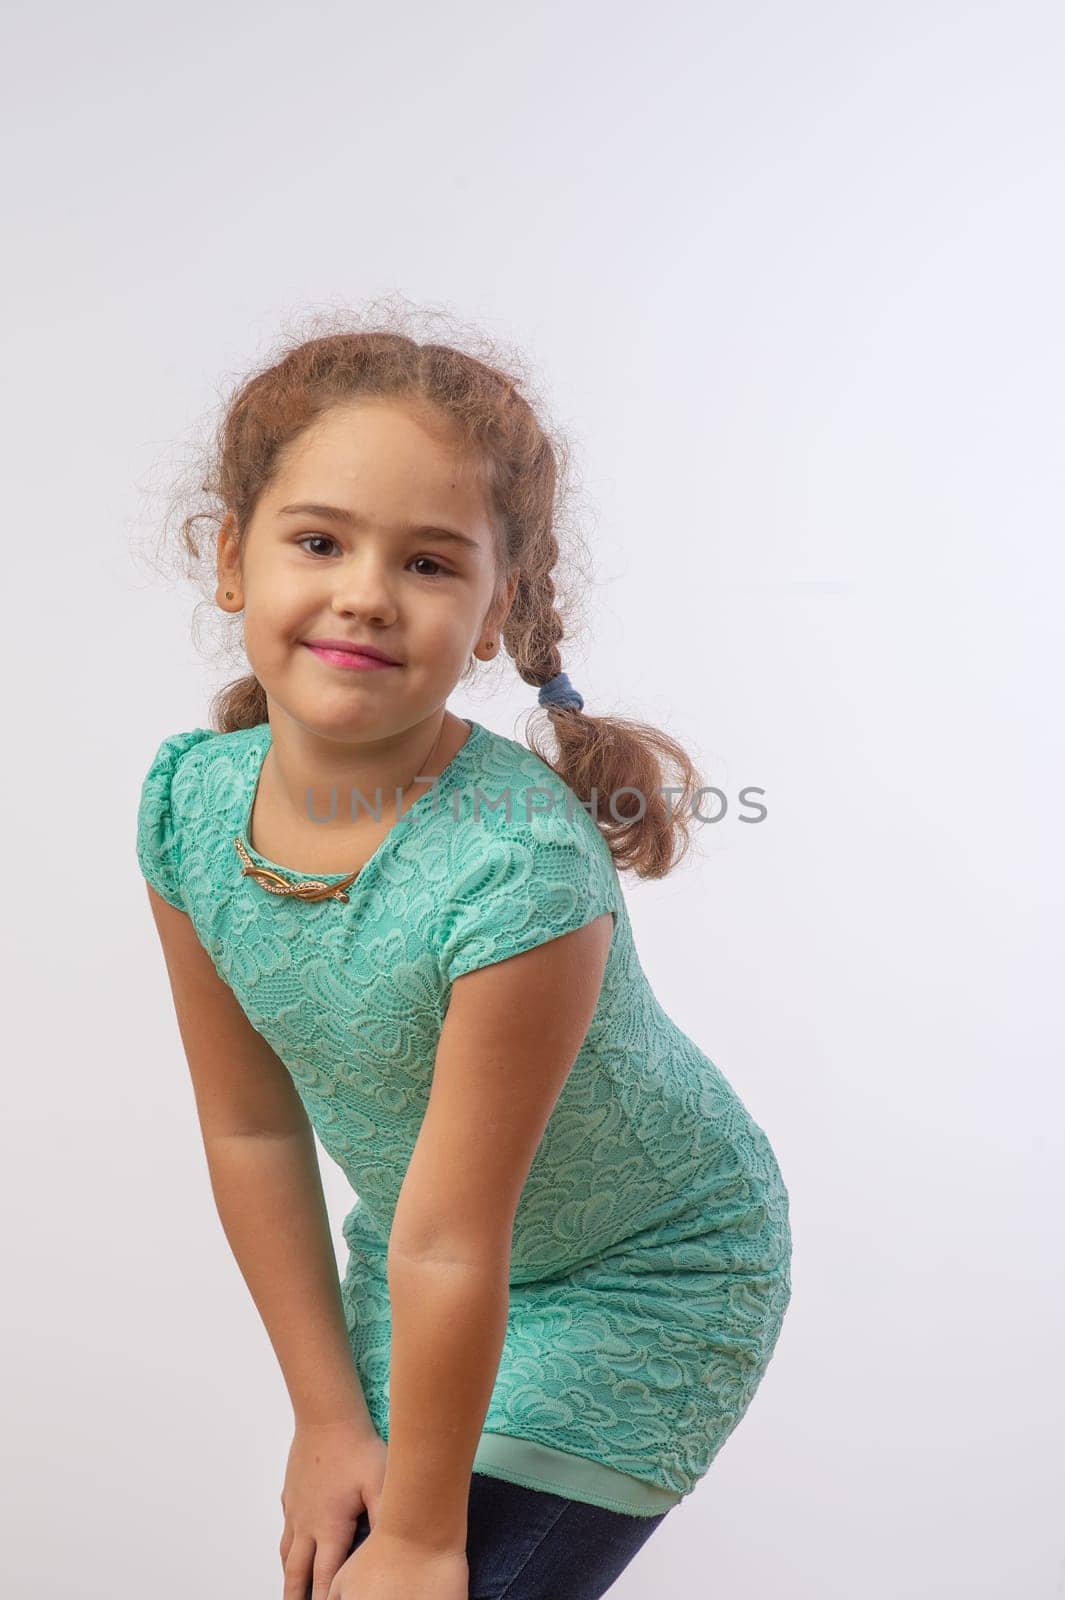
(265, 1180)
(496, 1078)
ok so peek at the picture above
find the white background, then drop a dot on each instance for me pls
(792, 279)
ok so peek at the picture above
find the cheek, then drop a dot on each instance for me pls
(267, 633)
(276, 606)
(447, 639)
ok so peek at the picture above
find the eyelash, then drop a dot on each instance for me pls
(443, 573)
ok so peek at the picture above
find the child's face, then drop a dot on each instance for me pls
(420, 597)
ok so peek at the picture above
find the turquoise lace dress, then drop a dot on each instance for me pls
(650, 1263)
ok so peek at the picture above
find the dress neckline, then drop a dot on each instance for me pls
(265, 739)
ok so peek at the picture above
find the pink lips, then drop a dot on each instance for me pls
(353, 660)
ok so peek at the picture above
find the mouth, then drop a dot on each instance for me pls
(344, 653)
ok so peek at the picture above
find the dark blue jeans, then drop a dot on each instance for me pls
(527, 1544)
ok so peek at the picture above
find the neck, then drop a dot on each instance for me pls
(314, 777)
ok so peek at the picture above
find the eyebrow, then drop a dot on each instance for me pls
(350, 520)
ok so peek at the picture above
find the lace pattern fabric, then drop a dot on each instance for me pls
(650, 1265)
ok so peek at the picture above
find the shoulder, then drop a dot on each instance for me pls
(526, 862)
(168, 799)
(512, 794)
(170, 754)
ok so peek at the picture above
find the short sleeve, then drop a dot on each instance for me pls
(518, 888)
(159, 820)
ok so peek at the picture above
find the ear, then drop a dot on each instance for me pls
(502, 611)
(227, 565)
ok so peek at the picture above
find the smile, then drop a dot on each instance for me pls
(351, 660)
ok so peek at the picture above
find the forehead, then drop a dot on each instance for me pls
(384, 466)
(379, 449)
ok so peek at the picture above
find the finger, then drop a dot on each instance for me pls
(298, 1568)
(328, 1560)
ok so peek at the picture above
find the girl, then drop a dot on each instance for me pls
(569, 1255)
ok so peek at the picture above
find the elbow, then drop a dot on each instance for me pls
(449, 1244)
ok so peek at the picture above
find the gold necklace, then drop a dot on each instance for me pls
(304, 888)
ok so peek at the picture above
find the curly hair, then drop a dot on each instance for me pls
(522, 466)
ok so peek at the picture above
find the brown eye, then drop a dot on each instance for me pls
(320, 538)
(441, 572)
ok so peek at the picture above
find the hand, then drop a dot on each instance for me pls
(335, 1472)
(388, 1567)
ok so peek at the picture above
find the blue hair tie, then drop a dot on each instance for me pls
(558, 691)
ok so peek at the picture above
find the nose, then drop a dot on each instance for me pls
(361, 588)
